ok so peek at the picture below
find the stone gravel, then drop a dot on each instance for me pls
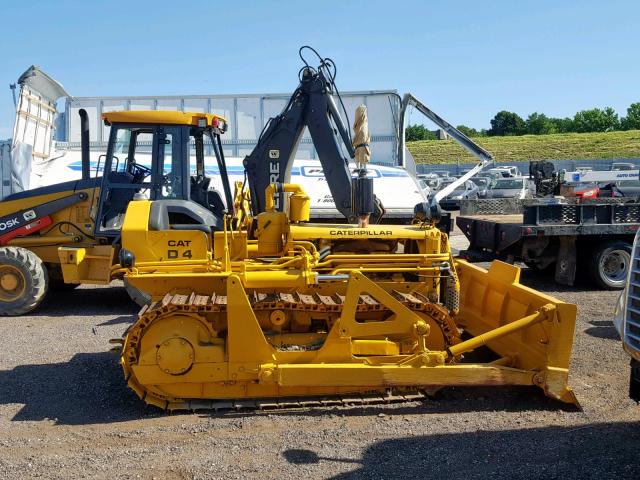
(65, 412)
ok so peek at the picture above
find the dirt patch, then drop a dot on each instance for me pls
(65, 412)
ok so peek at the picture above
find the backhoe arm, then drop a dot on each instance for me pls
(311, 105)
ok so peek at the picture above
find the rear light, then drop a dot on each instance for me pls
(215, 122)
(591, 193)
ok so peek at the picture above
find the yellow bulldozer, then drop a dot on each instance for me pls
(246, 302)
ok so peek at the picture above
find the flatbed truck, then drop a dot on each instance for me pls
(559, 236)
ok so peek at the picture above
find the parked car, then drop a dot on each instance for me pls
(510, 188)
(441, 173)
(429, 184)
(443, 183)
(467, 191)
(492, 174)
(587, 190)
(424, 186)
(627, 188)
(483, 184)
(623, 166)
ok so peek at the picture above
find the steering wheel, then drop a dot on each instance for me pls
(139, 172)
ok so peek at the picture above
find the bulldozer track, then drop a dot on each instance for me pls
(205, 304)
(297, 403)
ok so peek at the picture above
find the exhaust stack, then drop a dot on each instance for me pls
(84, 144)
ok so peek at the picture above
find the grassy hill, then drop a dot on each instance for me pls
(565, 146)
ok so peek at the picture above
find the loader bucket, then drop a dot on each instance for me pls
(493, 301)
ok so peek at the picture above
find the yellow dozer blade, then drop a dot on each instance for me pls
(531, 333)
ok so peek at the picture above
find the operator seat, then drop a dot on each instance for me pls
(209, 198)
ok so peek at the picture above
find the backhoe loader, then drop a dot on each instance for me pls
(254, 305)
(67, 234)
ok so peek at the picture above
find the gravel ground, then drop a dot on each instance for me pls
(65, 412)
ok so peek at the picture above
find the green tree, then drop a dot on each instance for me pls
(414, 133)
(540, 124)
(468, 131)
(632, 120)
(507, 123)
(563, 125)
(596, 120)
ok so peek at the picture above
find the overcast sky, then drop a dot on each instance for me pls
(467, 60)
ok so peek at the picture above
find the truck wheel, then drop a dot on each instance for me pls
(23, 281)
(634, 381)
(137, 295)
(609, 264)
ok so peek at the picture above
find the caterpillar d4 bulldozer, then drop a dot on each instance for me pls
(291, 309)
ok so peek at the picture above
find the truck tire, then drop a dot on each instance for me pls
(634, 381)
(23, 281)
(609, 264)
(137, 295)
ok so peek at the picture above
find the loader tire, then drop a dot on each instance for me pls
(609, 264)
(634, 381)
(23, 281)
(137, 295)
